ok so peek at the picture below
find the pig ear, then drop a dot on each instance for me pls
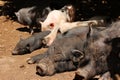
(69, 6)
(90, 32)
(77, 53)
(16, 13)
(41, 22)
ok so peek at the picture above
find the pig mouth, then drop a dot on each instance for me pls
(24, 51)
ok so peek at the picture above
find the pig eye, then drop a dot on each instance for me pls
(62, 10)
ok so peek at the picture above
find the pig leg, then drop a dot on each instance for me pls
(31, 29)
(48, 40)
(69, 25)
(35, 59)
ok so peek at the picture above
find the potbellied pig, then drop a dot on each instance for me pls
(30, 44)
(101, 54)
(58, 57)
(28, 16)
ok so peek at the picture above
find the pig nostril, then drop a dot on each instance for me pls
(40, 71)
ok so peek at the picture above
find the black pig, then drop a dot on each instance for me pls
(30, 44)
(58, 57)
(101, 54)
(31, 17)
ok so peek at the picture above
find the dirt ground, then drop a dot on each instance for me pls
(14, 67)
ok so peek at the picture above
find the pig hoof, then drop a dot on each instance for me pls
(78, 77)
(31, 61)
(31, 31)
(45, 41)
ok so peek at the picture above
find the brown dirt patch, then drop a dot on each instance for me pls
(15, 67)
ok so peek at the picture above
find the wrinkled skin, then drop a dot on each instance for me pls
(101, 54)
(28, 16)
(30, 44)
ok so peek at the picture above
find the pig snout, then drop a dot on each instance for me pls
(45, 68)
(14, 52)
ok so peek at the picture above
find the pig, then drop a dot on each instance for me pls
(28, 16)
(30, 44)
(101, 54)
(58, 57)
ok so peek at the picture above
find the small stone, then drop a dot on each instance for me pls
(22, 66)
